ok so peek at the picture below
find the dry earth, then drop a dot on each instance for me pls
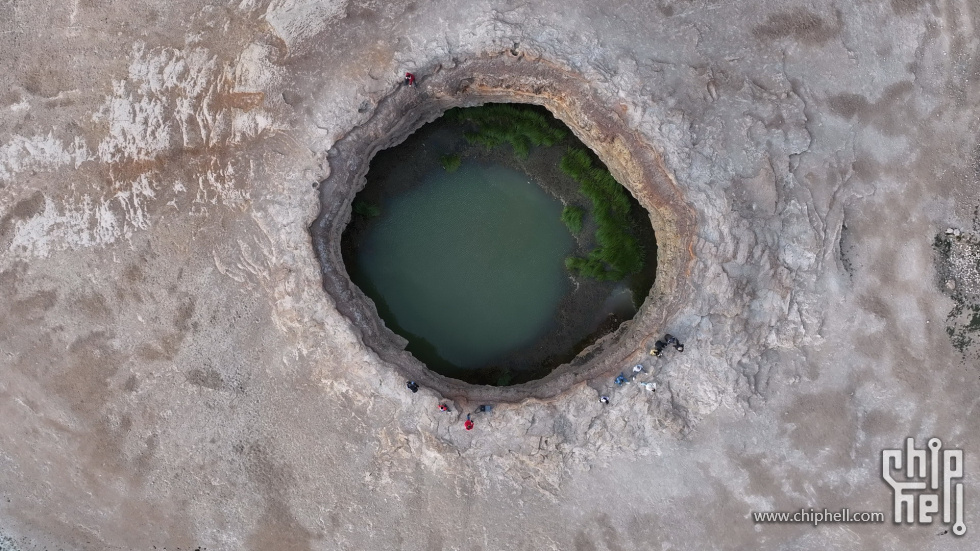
(173, 376)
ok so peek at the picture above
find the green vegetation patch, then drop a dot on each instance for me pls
(618, 253)
(366, 209)
(572, 216)
(451, 162)
(521, 126)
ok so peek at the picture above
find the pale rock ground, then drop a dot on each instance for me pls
(172, 375)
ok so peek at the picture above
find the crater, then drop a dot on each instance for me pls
(497, 244)
(632, 161)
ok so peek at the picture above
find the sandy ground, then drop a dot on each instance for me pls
(173, 376)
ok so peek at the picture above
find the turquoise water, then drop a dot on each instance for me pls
(471, 262)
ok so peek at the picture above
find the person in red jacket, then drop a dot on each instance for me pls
(410, 79)
(469, 423)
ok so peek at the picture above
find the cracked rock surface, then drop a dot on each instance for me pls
(173, 375)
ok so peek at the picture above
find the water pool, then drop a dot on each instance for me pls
(469, 263)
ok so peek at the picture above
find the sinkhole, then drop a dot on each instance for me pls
(497, 244)
(491, 257)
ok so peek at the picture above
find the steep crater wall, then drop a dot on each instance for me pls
(509, 77)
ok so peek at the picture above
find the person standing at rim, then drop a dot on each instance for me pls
(658, 348)
(672, 340)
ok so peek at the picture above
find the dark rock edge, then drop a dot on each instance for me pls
(509, 77)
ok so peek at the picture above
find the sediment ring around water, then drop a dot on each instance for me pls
(504, 78)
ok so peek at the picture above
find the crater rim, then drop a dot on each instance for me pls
(509, 78)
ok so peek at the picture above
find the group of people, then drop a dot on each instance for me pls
(468, 423)
(669, 340)
(656, 351)
(621, 379)
(443, 407)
